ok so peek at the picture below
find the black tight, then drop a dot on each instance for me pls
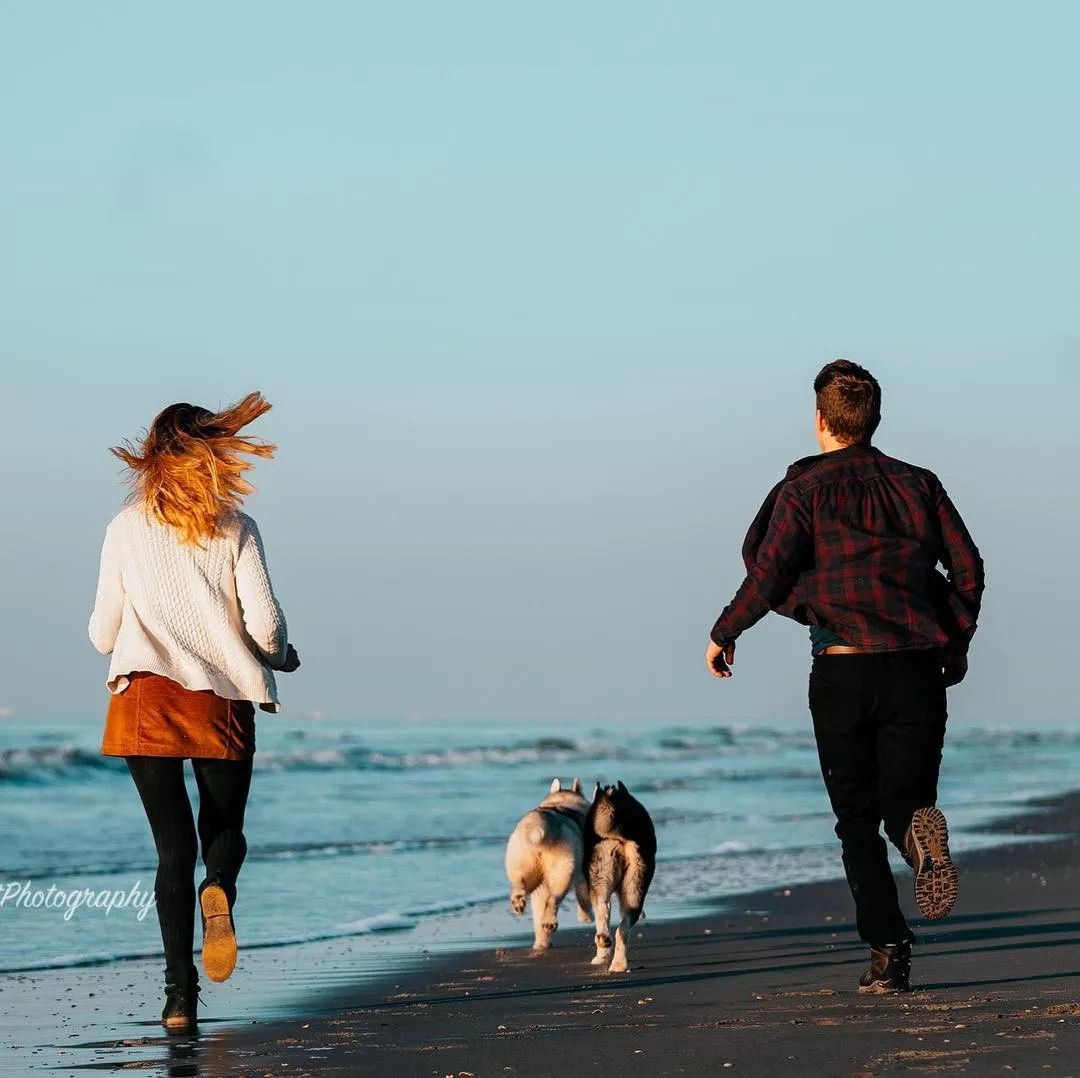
(223, 792)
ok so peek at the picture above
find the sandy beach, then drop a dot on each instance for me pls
(763, 985)
(771, 988)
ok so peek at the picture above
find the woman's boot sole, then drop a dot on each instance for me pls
(936, 879)
(178, 1025)
(219, 940)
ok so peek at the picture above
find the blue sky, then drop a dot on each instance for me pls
(538, 297)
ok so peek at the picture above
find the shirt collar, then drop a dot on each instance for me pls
(805, 463)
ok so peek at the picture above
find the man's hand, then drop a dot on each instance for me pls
(955, 669)
(292, 661)
(719, 659)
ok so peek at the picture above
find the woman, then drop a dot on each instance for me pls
(185, 607)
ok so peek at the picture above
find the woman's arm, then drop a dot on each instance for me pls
(109, 604)
(259, 608)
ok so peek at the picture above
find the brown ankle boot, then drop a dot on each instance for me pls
(181, 1013)
(936, 878)
(219, 935)
(890, 969)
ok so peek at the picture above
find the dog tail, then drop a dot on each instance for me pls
(635, 883)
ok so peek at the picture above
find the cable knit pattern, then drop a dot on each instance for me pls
(206, 617)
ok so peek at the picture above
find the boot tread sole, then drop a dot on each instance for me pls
(936, 878)
(219, 939)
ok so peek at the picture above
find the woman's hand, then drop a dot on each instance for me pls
(292, 661)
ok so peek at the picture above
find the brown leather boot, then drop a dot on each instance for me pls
(936, 878)
(890, 969)
(181, 1013)
(219, 934)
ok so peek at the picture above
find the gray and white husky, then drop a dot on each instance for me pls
(544, 860)
(620, 859)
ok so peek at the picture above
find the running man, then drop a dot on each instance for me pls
(848, 542)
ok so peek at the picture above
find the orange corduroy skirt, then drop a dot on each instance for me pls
(155, 716)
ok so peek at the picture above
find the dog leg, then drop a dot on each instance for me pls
(620, 962)
(584, 908)
(539, 900)
(601, 904)
(551, 915)
(518, 897)
(631, 899)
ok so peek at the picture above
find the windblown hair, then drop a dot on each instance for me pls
(849, 400)
(188, 470)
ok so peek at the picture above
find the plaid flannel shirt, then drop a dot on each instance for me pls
(850, 540)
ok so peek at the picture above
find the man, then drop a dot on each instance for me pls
(848, 543)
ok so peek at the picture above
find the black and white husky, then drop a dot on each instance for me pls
(620, 858)
(544, 860)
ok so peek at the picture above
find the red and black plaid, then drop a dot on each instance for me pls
(851, 541)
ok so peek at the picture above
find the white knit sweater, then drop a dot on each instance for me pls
(205, 617)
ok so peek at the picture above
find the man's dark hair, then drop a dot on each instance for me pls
(849, 400)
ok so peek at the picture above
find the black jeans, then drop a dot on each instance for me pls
(879, 720)
(223, 792)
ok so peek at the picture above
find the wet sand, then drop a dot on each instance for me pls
(771, 989)
(765, 985)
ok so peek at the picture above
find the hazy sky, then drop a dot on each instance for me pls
(538, 297)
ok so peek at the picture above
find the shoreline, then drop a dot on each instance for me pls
(737, 808)
(780, 962)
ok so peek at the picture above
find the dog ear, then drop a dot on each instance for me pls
(556, 786)
(622, 788)
(596, 792)
(576, 787)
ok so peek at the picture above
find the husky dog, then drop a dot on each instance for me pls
(620, 858)
(544, 859)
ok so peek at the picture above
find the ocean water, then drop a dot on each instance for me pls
(379, 828)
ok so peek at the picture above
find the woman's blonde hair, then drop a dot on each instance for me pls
(188, 471)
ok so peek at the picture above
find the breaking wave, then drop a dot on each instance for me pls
(347, 752)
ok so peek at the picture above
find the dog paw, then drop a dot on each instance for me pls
(584, 916)
(550, 927)
(517, 904)
(538, 952)
(619, 966)
(600, 960)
